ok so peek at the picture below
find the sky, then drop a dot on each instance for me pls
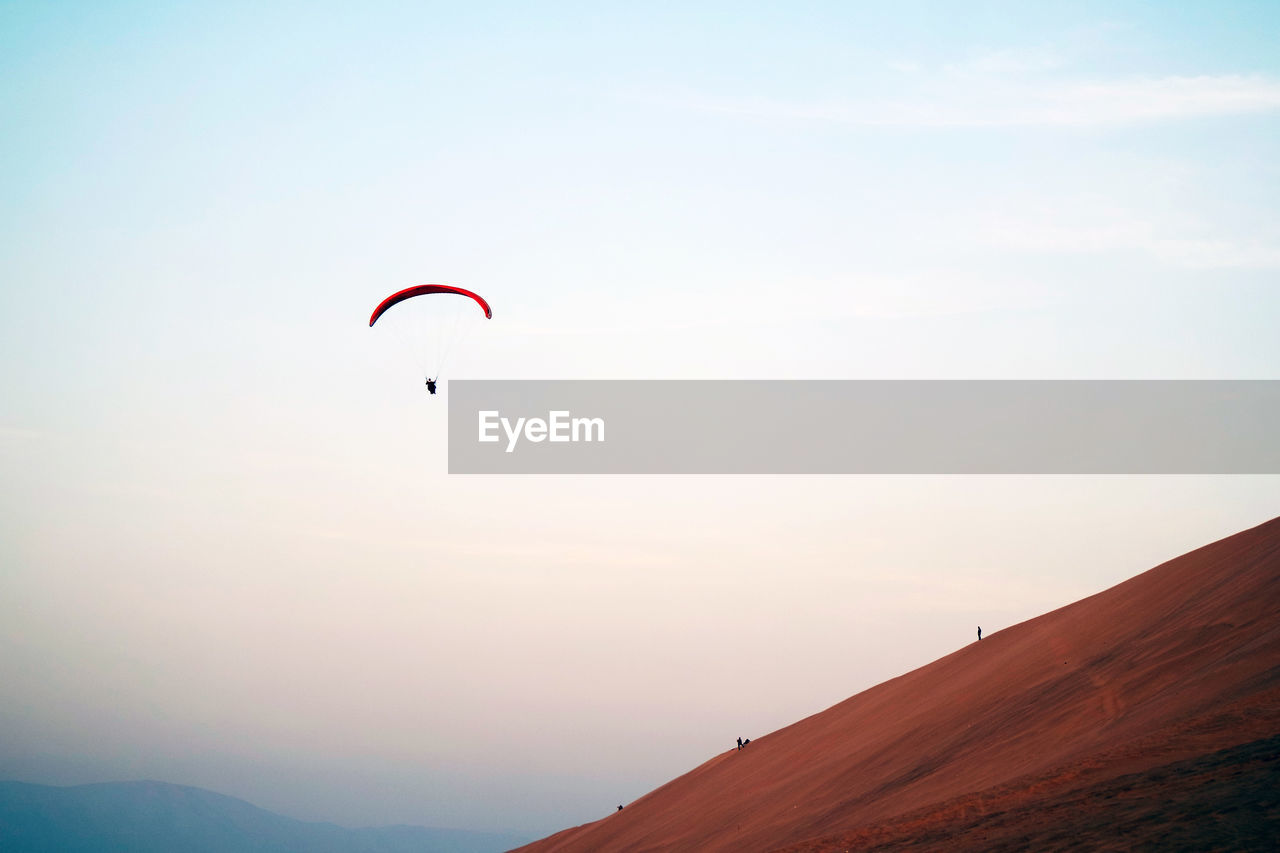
(230, 554)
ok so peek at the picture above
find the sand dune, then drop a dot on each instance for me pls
(1148, 714)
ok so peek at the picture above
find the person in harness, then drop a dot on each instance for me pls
(431, 385)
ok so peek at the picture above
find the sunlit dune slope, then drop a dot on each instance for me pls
(1169, 679)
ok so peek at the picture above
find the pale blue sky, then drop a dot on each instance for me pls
(229, 554)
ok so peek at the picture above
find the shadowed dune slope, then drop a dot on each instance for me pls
(1153, 680)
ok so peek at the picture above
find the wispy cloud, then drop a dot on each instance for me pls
(1179, 247)
(977, 96)
(19, 434)
(1010, 61)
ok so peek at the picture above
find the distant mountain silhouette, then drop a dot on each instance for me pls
(1144, 717)
(156, 817)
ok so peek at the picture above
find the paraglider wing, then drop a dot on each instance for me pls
(423, 290)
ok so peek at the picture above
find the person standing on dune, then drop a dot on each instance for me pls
(979, 633)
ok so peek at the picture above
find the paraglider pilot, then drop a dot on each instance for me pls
(431, 385)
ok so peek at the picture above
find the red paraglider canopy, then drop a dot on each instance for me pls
(423, 290)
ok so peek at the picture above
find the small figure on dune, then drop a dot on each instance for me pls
(979, 633)
(739, 744)
(619, 808)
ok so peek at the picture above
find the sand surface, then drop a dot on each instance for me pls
(1146, 716)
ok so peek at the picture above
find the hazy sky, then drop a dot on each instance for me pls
(229, 552)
